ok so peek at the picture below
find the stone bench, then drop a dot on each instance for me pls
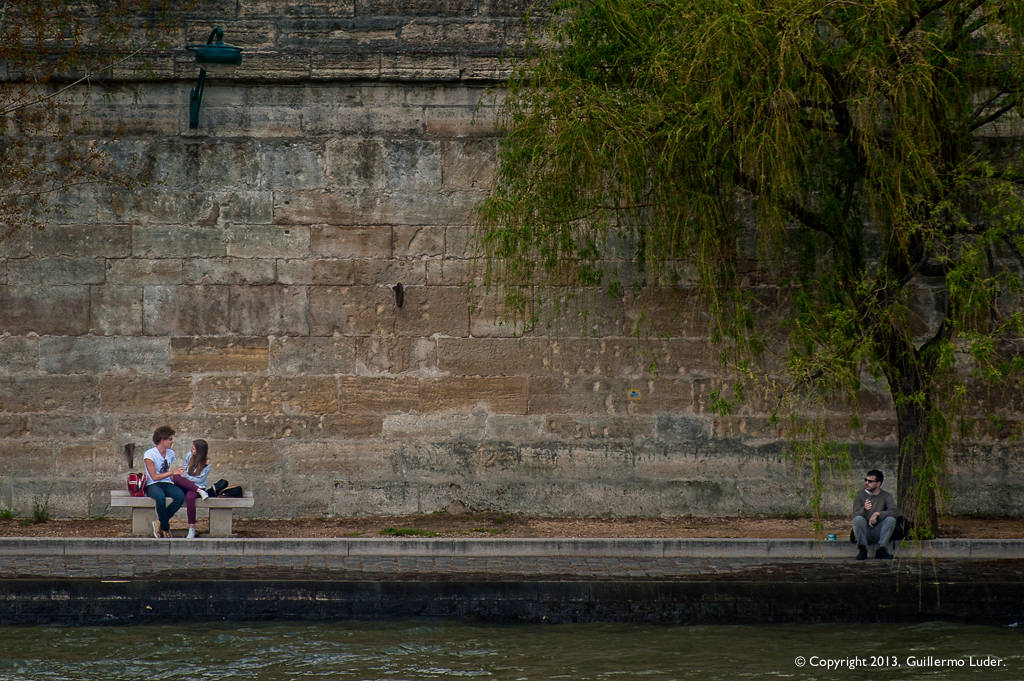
(144, 511)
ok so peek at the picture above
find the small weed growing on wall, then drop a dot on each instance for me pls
(407, 532)
(7, 514)
(40, 514)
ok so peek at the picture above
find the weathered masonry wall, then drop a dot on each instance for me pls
(247, 298)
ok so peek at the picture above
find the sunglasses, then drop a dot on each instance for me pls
(869, 480)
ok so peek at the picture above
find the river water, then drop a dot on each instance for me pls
(415, 649)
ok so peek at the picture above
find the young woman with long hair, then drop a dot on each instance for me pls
(193, 480)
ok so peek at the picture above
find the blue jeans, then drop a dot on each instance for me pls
(879, 534)
(160, 492)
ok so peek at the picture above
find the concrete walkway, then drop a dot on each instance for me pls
(801, 560)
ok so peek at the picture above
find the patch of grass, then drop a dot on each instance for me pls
(407, 532)
(352, 534)
(25, 522)
(40, 514)
(8, 514)
(491, 530)
(322, 518)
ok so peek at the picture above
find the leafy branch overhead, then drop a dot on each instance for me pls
(54, 58)
(839, 183)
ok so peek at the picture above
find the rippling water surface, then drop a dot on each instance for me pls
(440, 649)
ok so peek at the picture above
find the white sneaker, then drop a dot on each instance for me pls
(202, 494)
(156, 529)
(191, 533)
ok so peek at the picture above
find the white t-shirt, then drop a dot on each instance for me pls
(159, 463)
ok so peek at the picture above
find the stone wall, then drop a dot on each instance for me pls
(246, 296)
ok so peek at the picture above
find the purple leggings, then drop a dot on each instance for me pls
(191, 494)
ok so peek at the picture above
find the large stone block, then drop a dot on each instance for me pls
(332, 355)
(116, 310)
(92, 355)
(24, 459)
(143, 272)
(264, 427)
(412, 241)
(353, 498)
(672, 395)
(145, 394)
(138, 428)
(405, 8)
(469, 164)
(494, 356)
(371, 34)
(351, 460)
(223, 394)
(390, 355)
(350, 66)
(417, 427)
(350, 310)
(68, 427)
(351, 242)
(82, 241)
(237, 459)
(294, 272)
(461, 36)
(229, 271)
(412, 165)
(367, 121)
(496, 395)
(353, 426)
(370, 207)
(265, 310)
(56, 271)
(268, 241)
(378, 394)
(45, 310)
(186, 310)
(460, 122)
(598, 357)
(19, 354)
(365, 272)
(297, 395)
(291, 165)
(76, 394)
(576, 427)
(176, 241)
(357, 163)
(185, 163)
(430, 310)
(420, 67)
(89, 460)
(218, 354)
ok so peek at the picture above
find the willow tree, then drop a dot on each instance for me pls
(54, 56)
(870, 143)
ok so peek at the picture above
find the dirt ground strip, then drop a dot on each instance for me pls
(514, 526)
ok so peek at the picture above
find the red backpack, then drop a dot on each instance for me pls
(137, 484)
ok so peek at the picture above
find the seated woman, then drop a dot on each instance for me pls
(159, 486)
(193, 480)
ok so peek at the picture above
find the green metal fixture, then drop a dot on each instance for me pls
(215, 57)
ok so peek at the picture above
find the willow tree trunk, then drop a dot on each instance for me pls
(917, 471)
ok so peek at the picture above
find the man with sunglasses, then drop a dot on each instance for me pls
(874, 516)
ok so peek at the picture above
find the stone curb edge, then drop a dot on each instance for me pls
(778, 549)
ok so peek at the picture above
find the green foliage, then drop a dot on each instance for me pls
(7, 514)
(828, 184)
(55, 55)
(390, 531)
